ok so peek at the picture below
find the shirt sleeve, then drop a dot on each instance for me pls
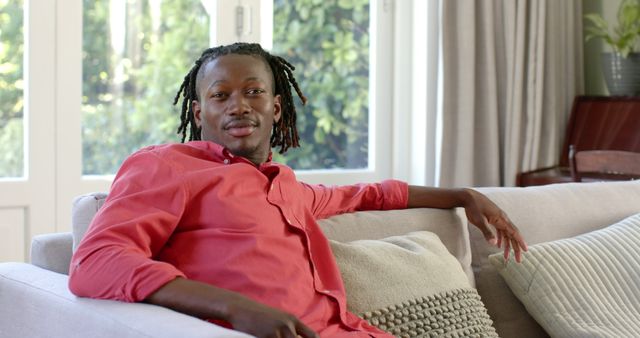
(327, 201)
(115, 259)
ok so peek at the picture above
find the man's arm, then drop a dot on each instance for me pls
(326, 201)
(206, 301)
(480, 211)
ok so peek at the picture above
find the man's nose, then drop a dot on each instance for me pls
(238, 104)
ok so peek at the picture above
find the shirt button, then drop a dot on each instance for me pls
(226, 161)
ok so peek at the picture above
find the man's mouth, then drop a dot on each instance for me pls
(240, 128)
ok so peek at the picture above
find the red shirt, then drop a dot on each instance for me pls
(196, 211)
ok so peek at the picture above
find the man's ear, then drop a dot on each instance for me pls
(195, 106)
(277, 108)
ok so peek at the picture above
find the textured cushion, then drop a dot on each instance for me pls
(584, 286)
(445, 223)
(411, 286)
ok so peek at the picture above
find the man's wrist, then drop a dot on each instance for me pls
(465, 196)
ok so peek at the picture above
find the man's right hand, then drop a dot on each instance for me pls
(206, 301)
(263, 321)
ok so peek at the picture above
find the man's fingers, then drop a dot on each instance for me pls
(483, 224)
(507, 248)
(287, 331)
(516, 250)
(305, 332)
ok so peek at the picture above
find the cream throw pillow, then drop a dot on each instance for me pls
(411, 286)
(585, 286)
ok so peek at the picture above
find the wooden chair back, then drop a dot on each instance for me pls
(607, 164)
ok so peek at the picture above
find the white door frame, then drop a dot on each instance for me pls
(27, 204)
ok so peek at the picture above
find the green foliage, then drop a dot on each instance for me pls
(625, 35)
(328, 42)
(11, 88)
(128, 94)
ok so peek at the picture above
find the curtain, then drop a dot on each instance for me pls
(511, 69)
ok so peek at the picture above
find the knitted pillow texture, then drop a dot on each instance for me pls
(411, 286)
(585, 286)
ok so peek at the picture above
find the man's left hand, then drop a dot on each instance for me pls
(483, 213)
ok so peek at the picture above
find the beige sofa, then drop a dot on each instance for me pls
(35, 300)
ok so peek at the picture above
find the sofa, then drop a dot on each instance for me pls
(36, 302)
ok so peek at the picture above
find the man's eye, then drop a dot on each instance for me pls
(217, 95)
(255, 91)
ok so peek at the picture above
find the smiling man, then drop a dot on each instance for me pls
(236, 105)
(214, 229)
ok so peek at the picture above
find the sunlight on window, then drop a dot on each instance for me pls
(136, 54)
(328, 42)
(11, 89)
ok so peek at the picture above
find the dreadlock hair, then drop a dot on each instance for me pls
(284, 133)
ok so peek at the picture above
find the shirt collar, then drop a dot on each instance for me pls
(221, 153)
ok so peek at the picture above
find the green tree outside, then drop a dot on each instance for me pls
(328, 42)
(128, 93)
(11, 89)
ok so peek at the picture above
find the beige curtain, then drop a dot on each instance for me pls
(511, 69)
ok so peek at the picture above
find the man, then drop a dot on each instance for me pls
(214, 229)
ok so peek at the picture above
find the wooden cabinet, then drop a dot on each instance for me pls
(596, 122)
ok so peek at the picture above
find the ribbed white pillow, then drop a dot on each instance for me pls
(585, 286)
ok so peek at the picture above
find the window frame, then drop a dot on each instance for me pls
(69, 51)
(55, 91)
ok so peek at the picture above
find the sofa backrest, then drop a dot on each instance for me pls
(83, 210)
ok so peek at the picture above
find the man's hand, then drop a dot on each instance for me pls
(480, 211)
(263, 321)
(209, 302)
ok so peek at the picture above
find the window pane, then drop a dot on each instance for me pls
(11, 89)
(136, 54)
(328, 42)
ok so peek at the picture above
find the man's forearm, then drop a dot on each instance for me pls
(441, 198)
(209, 302)
(195, 298)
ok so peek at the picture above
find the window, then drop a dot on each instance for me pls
(135, 55)
(11, 89)
(328, 42)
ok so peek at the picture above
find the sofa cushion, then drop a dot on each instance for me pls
(584, 286)
(411, 286)
(83, 210)
(445, 223)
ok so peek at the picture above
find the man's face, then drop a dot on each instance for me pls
(237, 106)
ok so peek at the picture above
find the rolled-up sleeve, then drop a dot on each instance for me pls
(327, 201)
(115, 259)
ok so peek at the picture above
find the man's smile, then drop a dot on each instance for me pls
(240, 128)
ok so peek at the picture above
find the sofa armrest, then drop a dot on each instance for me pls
(35, 302)
(52, 251)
